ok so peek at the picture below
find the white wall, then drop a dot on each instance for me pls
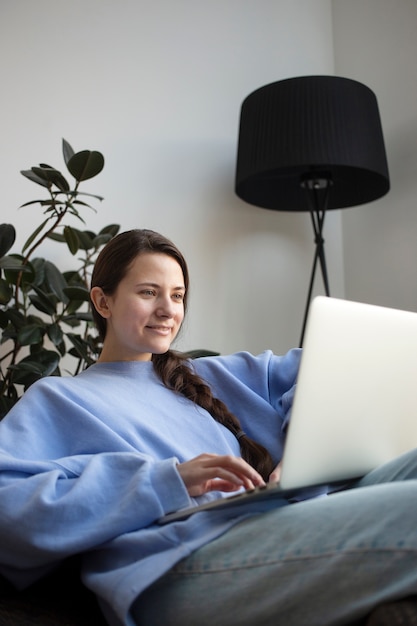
(157, 87)
(375, 42)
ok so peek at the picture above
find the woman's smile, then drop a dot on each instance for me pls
(164, 330)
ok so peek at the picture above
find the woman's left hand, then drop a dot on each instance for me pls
(275, 475)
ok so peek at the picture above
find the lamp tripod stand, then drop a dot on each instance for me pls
(317, 193)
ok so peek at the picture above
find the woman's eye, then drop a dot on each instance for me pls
(148, 292)
(179, 296)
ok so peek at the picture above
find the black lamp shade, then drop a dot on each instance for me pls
(311, 127)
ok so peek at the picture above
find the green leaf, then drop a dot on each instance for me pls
(7, 402)
(71, 320)
(42, 202)
(27, 366)
(74, 211)
(69, 317)
(6, 292)
(85, 316)
(30, 334)
(56, 237)
(74, 318)
(35, 319)
(29, 370)
(38, 265)
(13, 266)
(16, 318)
(196, 354)
(7, 238)
(72, 239)
(86, 164)
(4, 320)
(111, 229)
(85, 239)
(62, 348)
(55, 281)
(29, 278)
(9, 333)
(52, 176)
(100, 240)
(32, 202)
(13, 263)
(34, 234)
(81, 347)
(92, 195)
(77, 293)
(55, 334)
(42, 302)
(73, 279)
(67, 151)
(34, 178)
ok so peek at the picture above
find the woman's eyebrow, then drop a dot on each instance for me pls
(152, 284)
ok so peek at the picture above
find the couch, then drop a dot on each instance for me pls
(59, 599)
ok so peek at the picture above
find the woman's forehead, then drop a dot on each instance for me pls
(156, 264)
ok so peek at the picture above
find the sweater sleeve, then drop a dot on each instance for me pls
(282, 382)
(58, 498)
(259, 390)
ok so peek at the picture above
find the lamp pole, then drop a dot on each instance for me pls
(317, 192)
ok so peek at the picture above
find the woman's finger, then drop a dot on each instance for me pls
(275, 474)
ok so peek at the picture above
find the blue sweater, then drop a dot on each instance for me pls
(88, 464)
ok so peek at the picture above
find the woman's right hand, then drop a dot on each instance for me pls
(214, 472)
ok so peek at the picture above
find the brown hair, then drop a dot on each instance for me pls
(173, 368)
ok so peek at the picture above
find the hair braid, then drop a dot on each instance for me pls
(174, 370)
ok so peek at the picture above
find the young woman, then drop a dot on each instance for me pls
(89, 464)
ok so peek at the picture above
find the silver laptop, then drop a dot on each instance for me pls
(355, 405)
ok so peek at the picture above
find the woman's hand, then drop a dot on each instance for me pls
(213, 472)
(275, 475)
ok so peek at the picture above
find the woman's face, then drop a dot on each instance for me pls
(145, 313)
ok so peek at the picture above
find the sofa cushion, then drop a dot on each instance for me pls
(58, 599)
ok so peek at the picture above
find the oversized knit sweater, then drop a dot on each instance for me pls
(88, 464)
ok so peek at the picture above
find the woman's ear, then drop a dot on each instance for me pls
(99, 300)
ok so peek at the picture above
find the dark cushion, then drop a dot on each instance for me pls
(58, 599)
(400, 613)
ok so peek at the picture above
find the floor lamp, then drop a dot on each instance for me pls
(311, 143)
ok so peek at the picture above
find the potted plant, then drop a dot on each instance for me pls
(44, 313)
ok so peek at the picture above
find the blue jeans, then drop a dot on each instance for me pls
(327, 561)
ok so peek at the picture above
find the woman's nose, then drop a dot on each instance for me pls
(165, 307)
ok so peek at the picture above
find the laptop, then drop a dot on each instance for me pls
(355, 405)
